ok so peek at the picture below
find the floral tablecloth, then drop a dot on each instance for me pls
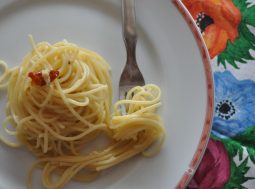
(228, 28)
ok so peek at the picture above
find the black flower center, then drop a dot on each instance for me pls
(203, 21)
(225, 109)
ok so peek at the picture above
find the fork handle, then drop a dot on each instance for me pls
(129, 29)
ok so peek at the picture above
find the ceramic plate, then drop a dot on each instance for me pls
(169, 55)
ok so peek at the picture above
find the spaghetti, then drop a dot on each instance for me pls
(59, 100)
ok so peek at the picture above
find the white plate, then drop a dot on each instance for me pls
(168, 56)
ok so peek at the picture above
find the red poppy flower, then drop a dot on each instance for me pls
(218, 21)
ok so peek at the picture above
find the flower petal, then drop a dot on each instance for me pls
(242, 95)
(214, 170)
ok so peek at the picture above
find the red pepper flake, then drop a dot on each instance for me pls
(53, 75)
(38, 79)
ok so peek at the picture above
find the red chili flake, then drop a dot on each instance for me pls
(38, 79)
(53, 75)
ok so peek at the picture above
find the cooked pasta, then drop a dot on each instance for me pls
(59, 102)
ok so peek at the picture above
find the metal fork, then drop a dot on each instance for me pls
(131, 75)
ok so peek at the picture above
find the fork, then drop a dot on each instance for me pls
(131, 75)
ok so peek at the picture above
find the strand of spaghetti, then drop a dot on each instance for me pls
(137, 102)
(65, 177)
(122, 158)
(4, 124)
(5, 75)
(86, 132)
(157, 148)
(100, 88)
(45, 141)
(82, 158)
(48, 96)
(79, 103)
(152, 107)
(80, 81)
(32, 42)
(70, 108)
(9, 143)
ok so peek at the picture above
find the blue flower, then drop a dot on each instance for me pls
(234, 105)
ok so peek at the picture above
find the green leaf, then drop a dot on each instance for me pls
(251, 152)
(227, 58)
(243, 166)
(238, 51)
(247, 139)
(237, 177)
(241, 5)
(243, 43)
(247, 34)
(220, 60)
(249, 16)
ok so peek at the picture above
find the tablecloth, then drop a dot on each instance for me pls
(227, 27)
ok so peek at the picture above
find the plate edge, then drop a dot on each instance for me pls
(204, 138)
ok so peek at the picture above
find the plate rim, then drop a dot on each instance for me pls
(204, 138)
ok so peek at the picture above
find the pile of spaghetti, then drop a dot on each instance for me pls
(59, 101)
